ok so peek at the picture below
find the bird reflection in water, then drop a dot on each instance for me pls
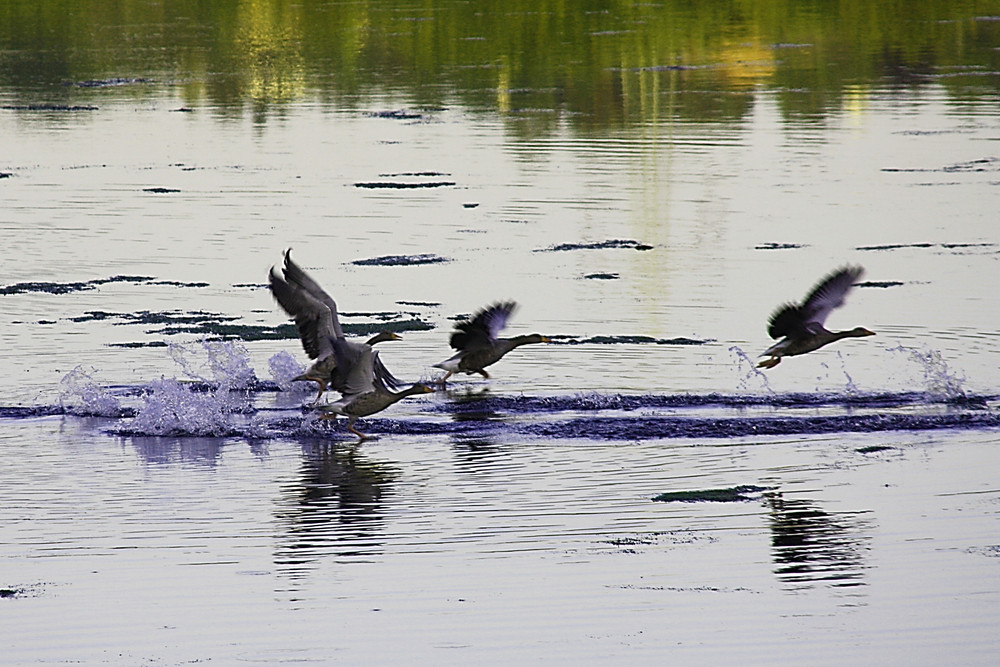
(811, 546)
(334, 509)
(471, 405)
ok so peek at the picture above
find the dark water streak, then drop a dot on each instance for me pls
(594, 417)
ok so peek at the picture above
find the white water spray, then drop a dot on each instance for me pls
(173, 407)
(80, 394)
(751, 379)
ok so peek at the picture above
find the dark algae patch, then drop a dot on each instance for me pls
(599, 245)
(109, 83)
(49, 107)
(874, 449)
(735, 494)
(401, 260)
(224, 327)
(946, 246)
(66, 288)
(396, 114)
(403, 185)
(779, 246)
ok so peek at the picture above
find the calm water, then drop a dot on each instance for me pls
(649, 183)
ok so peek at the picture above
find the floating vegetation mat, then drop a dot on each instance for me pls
(599, 245)
(401, 260)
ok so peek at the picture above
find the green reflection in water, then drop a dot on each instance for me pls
(590, 62)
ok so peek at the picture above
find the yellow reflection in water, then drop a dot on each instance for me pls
(856, 101)
(268, 40)
(745, 64)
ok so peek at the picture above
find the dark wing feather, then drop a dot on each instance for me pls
(383, 378)
(799, 321)
(828, 294)
(787, 320)
(481, 331)
(312, 318)
(296, 276)
(355, 368)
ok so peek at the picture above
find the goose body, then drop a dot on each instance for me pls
(800, 326)
(478, 344)
(324, 370)
(340, 364)
(368, 403)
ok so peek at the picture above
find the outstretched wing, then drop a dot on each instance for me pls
(295, 275)
(313, 318)
(808, 318)
(383, 378)
(482, 329)
(828, 294)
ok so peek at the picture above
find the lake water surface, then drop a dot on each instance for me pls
(648, 182)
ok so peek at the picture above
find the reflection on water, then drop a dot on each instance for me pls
(538, 62)
(334, 509)
(811, 546)
(160, 450)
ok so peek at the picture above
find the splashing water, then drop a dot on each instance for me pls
(172, 407)
(80, 394)
(940, 382)
(850, 387)
(226, 363)
(751, 379)
(284, 368)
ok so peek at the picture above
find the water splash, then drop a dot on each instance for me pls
(225, 363)
(80, 394)
(175, 408)
(284, 368)
(850, 387)
(940, 382)
(206, 408)
(751, 379)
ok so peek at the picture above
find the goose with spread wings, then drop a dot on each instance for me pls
(800, 326)
(315, 315)
(477, 342)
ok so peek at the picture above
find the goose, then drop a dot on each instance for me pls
(800, 327)
(477, 343)
(315, 314)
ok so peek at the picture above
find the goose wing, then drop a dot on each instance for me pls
(482, 330)
(828, 294)
(798, 321)
(384, 379)
(355, 372)
(313, 318)
(294, 274)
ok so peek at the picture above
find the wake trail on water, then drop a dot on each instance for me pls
(220, 395)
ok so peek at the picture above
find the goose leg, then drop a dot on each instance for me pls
(769, 363)
(361, 436)
(444, 379)
(484, 373)
(322, 388)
